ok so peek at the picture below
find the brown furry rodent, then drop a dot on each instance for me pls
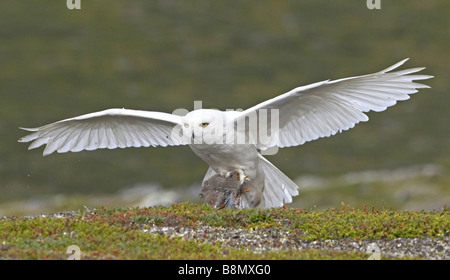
(220, 191)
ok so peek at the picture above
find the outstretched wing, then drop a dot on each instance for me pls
(110, 129)
(322, 109)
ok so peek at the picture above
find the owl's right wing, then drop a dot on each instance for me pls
(112, 128)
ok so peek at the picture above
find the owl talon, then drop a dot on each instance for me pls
(241, 176)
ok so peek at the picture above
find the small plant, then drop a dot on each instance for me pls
(259, 216)
(144, 219)
(212, 219)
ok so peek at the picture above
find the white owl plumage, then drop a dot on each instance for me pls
(303, 114)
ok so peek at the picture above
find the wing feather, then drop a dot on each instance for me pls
(322, 109)
(110, 129)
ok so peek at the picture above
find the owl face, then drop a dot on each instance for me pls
(204, 126)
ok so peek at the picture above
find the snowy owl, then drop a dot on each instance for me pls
(233, 141)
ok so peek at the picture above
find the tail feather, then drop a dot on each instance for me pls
(278, 188)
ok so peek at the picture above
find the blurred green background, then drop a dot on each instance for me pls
(57, 63)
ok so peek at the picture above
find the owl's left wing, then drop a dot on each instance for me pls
(322, 109)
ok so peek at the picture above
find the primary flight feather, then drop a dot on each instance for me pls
(231, 141)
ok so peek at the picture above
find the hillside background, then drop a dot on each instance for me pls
(57, 63)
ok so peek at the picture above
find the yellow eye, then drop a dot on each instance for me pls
(186, 125)
(205, 124)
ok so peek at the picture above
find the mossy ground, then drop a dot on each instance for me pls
(120, 233)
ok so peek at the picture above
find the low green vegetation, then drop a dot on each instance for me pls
(126, 233)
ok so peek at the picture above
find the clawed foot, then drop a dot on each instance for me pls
(241, 176)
